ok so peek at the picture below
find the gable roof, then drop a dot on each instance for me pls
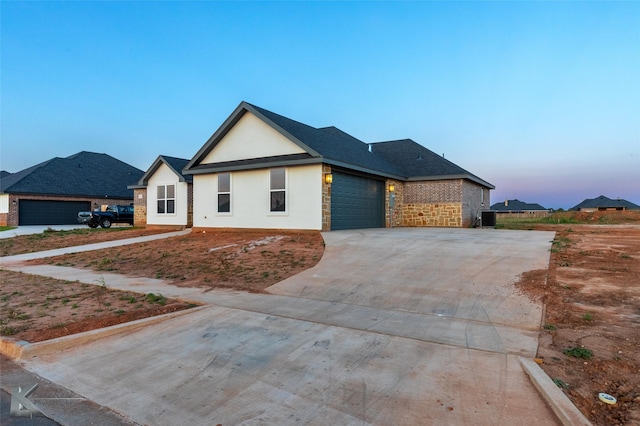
(516, 206)
(86, 174)
(175, 164)
(335, 147)
(605, 202)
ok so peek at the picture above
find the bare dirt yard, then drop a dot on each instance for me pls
(37, 308)
(590, 342)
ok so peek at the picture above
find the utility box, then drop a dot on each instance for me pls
(488, 218)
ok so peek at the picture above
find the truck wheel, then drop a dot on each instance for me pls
(106, 223)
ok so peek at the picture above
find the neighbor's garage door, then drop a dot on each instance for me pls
(46, 212)
(356, 202)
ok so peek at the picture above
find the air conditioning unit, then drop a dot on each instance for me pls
(488, 218)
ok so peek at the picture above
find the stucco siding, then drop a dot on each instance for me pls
(250, 200)
(4, 203)
(165, 176)
(251, 138)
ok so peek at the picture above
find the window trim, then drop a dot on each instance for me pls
(218, 193)
(166, 199)
(285, 190)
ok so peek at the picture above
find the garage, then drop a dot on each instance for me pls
(357, 202)
(47, 212)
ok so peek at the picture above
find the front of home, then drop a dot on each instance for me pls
(169, 202)
(263, 170)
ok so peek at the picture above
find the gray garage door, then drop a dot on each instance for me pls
(356, 202)
(41, 212)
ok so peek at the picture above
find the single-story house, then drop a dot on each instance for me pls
(170, 202)
(519, 208)
(603, 203)
(263, 170)
(53, 192)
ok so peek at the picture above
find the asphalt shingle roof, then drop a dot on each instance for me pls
(403, 159)
(418, 162)
(175, 163)
(83, 174)
(516, 205)
(605, 202)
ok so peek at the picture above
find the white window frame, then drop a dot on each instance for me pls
(165, 199)
(224, 193)
(285, 190)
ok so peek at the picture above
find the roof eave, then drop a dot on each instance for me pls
(217, 168)
(451, 177)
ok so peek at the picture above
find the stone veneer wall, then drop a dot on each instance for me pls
(430, 203)
(439, 214)
(190, 205)
(326, 200)
(394, 216)
(140, 207)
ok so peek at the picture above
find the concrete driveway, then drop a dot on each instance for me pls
(393, 326)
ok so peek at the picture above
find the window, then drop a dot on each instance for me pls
(224, 192)
(166, 199)
(278, 189)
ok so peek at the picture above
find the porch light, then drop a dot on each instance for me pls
(328, 178)
(392, 187)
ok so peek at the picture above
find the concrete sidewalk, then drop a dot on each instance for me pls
(401, 326)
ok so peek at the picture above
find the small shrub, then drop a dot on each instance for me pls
(578, 352)
(549, 327)
(8, 331)
(561, 383)
(156, 298)
(119, 312)
(587, 317)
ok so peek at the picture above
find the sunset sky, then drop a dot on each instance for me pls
(542, 99)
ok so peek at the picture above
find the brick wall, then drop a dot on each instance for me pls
(433, 191)
(189, 205)
(429, 203)
(12, 218)
(476, 199)
(140, 207)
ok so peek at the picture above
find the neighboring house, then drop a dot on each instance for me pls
(53, 192)
(263, 170)
(604, 203)
(519, 208)
(163, 196)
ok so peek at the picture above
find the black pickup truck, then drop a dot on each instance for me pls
(112, 214)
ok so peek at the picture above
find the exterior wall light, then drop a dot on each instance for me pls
(392, 187)
(328, 178)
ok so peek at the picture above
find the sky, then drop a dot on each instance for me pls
(541, 99)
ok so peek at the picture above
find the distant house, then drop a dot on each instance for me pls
(53, 192)
(264, 170)
(519, 208)
(603, 203)
(163, 197)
